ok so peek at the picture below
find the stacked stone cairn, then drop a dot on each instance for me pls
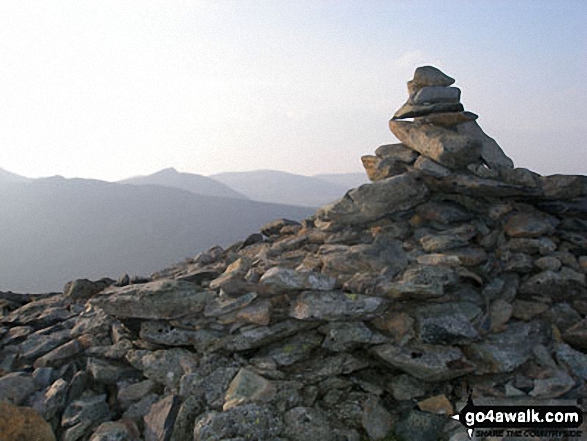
(451, 272)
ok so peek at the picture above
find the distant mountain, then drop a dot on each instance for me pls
(349, 180)
(198, 184)
(6, 176)
(282, 187)
(57, 229)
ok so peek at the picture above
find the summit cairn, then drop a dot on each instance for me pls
(451, 273)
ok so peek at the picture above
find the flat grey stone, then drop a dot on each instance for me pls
(160, 420)
(336, 306)
(436, 94)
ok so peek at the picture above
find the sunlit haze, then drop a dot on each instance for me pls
(110, 89)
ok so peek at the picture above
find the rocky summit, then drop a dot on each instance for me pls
(452, 272)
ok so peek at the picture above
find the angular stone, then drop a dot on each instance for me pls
(346, 336)
(548, 263)
(422, 282)
(370, 202)
(60, 355)
(225, 304)
(114, 431)
(396, 153)
(448, 119)
(443, 212)
(470, 185)
(553, 386)
(560, 285)
(280, 280)
(110, 372)
(431, 168)
(81, 414)
(406, 387)
(83, 289)
(491, 152)
(438, 259)
(306, 423)
(15, 387)
(183, 428)
(161, 299)
(507, 350)
(421, 426)
(438, 404)
(530, 224)
(130, 393)
(336, 306)
(526, 310)
(163, 366)
(430, 76)
(378, 169)
(264, 335)
(293, 349)
(542, 245)
(160, 420)
(273, 228)
(426, 362)
(520, 176)
(444, 146)
(235, 271)
(377, 421)
(23, 424)
(448, 328)
(54, 399)
(321, 368)
(435, 95)
(248, 387)
(575, 360)
(432, 243)
(250, 421)
(139, 409)
(499, 314)
(411, 111)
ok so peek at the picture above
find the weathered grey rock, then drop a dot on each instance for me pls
(406, 387)
(467, 184)
(183, 428)
(576, 335)
(422, 282)
(83, 289)
(235, 271)
(251, 420)
(554, 386)
(345, 336)
(431, 168)
(129, 393)
(505, 351)
(38, 345)
(444, 146)
(336, 306)
(43, 376)
(377, 421)
(443, 212)
(293, 349)
(304, 423)
(15, 387)
(160, 420)
(163, 366)
(426, 362)
(208, 387)
(448, 328)
(421, 426)
(274, 227)
(280, 280)
(41, 313)
(163, 333)
(224, 304)
(411, 111)
(435, 95)
(561, 285)
(575, 360)
(247, 387)
(54, 399)
(60, 355)
(136, 411)
(110, 372)
(491, 152)
(112, 431)
(81, 414)
(161, 299)
(373, 201)
(429, 76)
(449, 119)
(264, 335)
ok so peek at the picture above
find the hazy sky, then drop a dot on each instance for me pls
(109, 89)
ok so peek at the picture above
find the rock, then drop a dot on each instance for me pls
(60, 355)
(421, 426)
(293, 349)
(160, 420)
(133, 392)
(436, 94)
(548, 263)
(530, 224)
(411, 111)
(422, 282)
(305, 423)
(431, 168)
(183, 428)
(444, 146)
(110, 372)
(560, 285)
(576, 335)
(448, 329)
(345, 336)
(526, 310)
(426, 362)
(373, 201)
(264, 335)
(429, 76)
(23, 423)
(336, 306)
(163, 366)
(248, 387)
(113, 431)
(377, 421)
(553, 386)
(438, 404)
(491, 153)
(15, 387)
(83, 289)
(406, 387)
(449, 119)
(235, 271)
(249, 421)
(274, 227)
(499, 313)
(81, 414)
(54, 400)
(575, 360)
(161, 299)
(281, 280)
(443, 212)
(225, 304)
(396, 153)
(378, 169)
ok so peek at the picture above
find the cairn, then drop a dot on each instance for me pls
(451, 272)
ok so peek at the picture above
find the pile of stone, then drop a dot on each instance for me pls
(451, 272)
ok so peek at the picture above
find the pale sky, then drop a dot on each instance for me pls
(113, 88)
